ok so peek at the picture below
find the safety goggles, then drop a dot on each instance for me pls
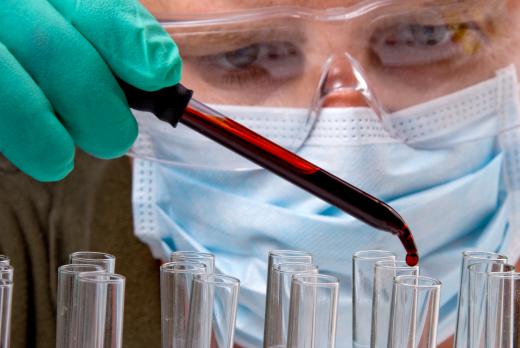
(291, 62)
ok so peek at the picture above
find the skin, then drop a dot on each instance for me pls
(484, 51)
(481, 51)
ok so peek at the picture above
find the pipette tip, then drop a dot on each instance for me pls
(412, 258)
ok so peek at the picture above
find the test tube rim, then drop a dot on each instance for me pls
(103, 256)
(333, 281)
(209, 279)
(113, 278)
(359, 255)
(5, 258)
(435, 283)
(165, 267)
(63, 269)
(278, 267)
(381, 264)
(290, 253)
(505, 275)
(471, 268)
(483, 255)
(191, 253)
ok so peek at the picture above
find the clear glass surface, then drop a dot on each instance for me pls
(100, 310)
(5, 260)
(205, 258)
(478, 276)
(277, 318)
(292, 57)
(313, 311)
(363, 264)
(503, 311)
(107, 261)
(234, 51)
(6, 295)
(6, 300)
(6, 272)
(415, 312)
(462, 326)
(384, 274)
(176, 281)
(277, 257)
(213, 310)
(66, 303)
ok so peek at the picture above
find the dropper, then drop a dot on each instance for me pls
(175, 104)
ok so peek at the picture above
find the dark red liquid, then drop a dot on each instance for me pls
(406, 238)
(302, 173)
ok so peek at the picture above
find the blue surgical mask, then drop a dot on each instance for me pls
(452, 182)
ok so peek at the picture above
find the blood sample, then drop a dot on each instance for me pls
(174, 104)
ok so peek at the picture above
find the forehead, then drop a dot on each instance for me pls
(164, 8)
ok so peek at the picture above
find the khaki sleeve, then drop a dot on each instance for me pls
(41, 224)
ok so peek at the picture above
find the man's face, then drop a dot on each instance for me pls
(411, 51)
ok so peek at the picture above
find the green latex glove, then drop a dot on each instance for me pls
(57, 89)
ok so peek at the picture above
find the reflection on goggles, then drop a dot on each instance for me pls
(409, 49)
(414, 44)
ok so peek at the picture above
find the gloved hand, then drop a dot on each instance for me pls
(57, 89)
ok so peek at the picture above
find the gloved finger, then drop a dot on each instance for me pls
(72, 75)
(31, 136)
(131, 41)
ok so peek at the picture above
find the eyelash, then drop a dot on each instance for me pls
(242, 77)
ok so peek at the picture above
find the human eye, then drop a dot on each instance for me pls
(414, 44)
(251, 64)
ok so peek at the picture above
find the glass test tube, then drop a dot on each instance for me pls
(176, 281)
(503, 310)
(277, 320)
(477, 279)
(205, 258)
(313, 311)
(272, 311)
(6, 270)
(213, 309)
(66, 311)
(415, 312)
(363, 264)
(384, 274)
(100, 310)
(469, 258)
(6, 300)
(107, 261)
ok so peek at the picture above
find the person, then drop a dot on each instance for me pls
(413, 101)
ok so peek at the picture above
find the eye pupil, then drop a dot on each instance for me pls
(428, 34)
(243, 57)
(428, 30)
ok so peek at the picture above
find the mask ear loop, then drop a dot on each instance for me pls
(341, 74)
